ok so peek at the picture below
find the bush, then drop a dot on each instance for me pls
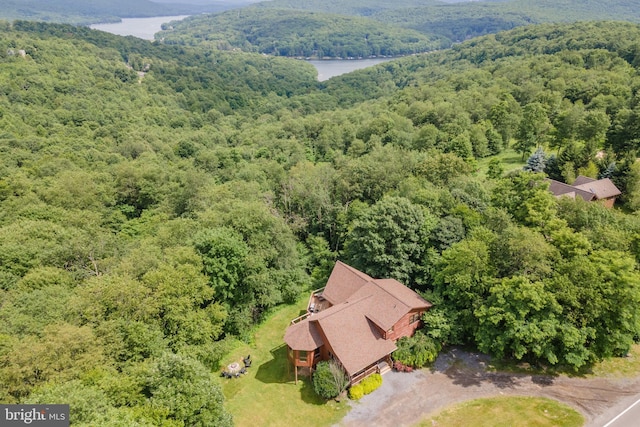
(400, 367)
(329, 379)
(366, 386)
(416, 351)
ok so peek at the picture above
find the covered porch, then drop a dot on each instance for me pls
(381, 367)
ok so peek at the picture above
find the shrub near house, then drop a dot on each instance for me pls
(366, 386)
(329, 379)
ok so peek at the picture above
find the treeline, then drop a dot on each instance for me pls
(157, 201)
(290, 33)
(460, 21)
(90, 12)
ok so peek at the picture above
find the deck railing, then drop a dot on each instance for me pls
(359, 377)
(317, 293)
(300, 318)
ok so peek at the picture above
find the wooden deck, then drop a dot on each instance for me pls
(315, 305)
(316, 302)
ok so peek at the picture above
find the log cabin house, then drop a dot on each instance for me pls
(354, 320)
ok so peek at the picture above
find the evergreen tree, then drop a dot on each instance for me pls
(608, 172)
(536, 162)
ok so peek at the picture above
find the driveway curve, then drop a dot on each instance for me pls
(404, 399)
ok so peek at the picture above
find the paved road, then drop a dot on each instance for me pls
(627, 417)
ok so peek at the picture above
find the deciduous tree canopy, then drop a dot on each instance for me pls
(158, 201)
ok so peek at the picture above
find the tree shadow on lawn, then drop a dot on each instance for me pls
(308, 394)
(275, 369)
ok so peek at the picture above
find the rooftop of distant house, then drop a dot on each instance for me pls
(589, 189)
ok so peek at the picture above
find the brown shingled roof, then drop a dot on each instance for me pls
(343, 282)
(581, 179)
(355, 340)
(558, 189)
(585, 187)
(602, 188)
(303, 336)
(391, 300)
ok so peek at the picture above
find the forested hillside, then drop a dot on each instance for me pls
(370, 28)
(158, 201)
(284, 32)
(462, 21)
(84, 12)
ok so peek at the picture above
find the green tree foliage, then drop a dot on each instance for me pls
(146, 222)
(533, 128)
(464, 20)
(526, 197)
(60, 352)
(185, 390)
(519, 318)
(462, 280)
(298, 34)
(388, 239)
(97, 11)
(224, 255)
(417, 351)
(329, 379)
(495, 169)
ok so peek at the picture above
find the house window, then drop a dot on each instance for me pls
(414, 318)
(302, 355)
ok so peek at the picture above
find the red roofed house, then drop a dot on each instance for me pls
(355, 320)
(588, 189)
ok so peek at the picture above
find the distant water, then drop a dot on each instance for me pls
(143, 28)
(328, 68)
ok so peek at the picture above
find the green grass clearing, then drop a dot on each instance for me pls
(267, 394)
(510, 160)
(619, 367)
(507, 412)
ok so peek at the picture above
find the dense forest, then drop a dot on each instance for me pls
(312, 28)
(298, 34)
(158, 201)
(83, 12)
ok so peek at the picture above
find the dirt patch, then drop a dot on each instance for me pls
(405, 399)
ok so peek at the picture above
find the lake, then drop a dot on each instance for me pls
(145, 28)
(328, 68)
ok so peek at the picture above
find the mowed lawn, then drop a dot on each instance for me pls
(267, 394)
(509, 158)
(507, 412)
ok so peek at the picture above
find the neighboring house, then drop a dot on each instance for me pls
(354, 320)
(588, 189)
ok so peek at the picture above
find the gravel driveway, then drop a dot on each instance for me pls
(404, 399)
